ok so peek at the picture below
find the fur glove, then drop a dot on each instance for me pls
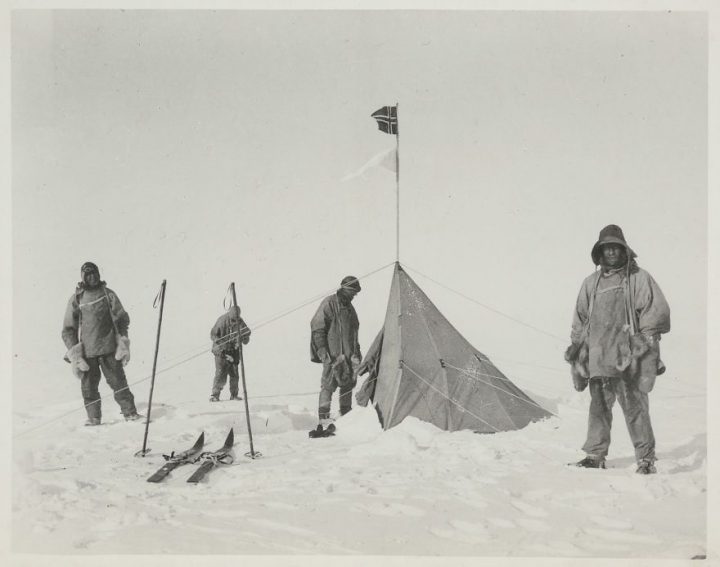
(642, 358)
(342, 371)
(78, 364)
(122, 352)
(577, 355)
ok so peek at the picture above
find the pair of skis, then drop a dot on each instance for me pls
(210, 459)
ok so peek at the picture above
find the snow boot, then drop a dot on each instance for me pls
(214, 398)
(591, 463)
(92, 421)
(235, 397)
(132, 416)
(319, 431)
(646, 467)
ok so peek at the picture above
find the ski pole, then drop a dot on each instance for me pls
(252, 454)
(161, 295)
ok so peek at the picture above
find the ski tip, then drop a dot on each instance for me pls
(230, 440)
(200, 442)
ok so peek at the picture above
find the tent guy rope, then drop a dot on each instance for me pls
(189, 358)
(269, 320)
(511, 318)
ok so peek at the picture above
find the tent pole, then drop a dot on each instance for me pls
(144, 451)
(397, 181)
(252, 454)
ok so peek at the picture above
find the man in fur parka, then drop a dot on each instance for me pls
(227, 334)
(619, 316)
(95, 332)
(334, 343)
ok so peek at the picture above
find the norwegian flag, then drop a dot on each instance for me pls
(387, 119)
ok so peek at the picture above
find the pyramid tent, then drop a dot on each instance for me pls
(420, 365)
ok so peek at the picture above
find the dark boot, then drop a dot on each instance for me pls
(591, 462)
(646, 467)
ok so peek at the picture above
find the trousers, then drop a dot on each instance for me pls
(328, 385)
(223, 369)
(635, 407)
(115, 377)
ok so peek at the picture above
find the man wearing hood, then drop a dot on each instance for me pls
(334, 343)
(95, 332)
(227, 334)
(619, 316)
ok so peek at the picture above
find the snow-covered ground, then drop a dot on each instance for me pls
(413, 490)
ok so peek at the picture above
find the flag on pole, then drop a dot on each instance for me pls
(385, 159)
(387, 119)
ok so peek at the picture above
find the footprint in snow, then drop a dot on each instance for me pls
(83, 543)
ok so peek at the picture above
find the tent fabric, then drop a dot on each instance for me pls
(428, 370)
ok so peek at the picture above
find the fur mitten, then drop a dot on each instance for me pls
(579, 369)
(577, 355)
(122, 352)
(78, 364)
(643, 361)
(648, 364)
(342, 371)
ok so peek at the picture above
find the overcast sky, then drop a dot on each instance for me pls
(206, 147)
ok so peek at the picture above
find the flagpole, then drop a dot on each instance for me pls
(397, 180)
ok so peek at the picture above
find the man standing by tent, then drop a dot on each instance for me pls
(619, 316)
(95, 332)
(226, 335)
(334, 343)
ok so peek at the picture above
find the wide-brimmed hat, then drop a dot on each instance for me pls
(350, 282)
(611, 234)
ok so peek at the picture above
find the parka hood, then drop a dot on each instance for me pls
(611, 234)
